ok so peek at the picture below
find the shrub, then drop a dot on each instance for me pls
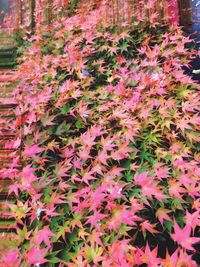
(110, 154)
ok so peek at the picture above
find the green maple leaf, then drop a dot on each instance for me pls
(124, 46)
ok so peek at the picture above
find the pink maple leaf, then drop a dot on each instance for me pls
(94, 219)
(103, 157)
(31, 151)
(11, 259)
(87, 177)
(161, 172)
(151, 189)
(27, 176)
(179, 258)
(36, 256)
(122, 215)
(14, 188)
(43, 236)
(183, 124)
(97, 197)
(115, 190)
(192, 219)
(182, 237)
(148, 186)
(142, 178)
(122, 152)
(150, 257)
(150, 4)
(84, 154)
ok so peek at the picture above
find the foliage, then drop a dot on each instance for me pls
(110, 154)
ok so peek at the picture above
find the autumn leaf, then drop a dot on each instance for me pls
(43, 235)
(162, 215)
(47, 120)
(147, 226)
(31, 151)
(95, 219)
(36, 256)
(183, 238)
(61, 170)
(11, 259)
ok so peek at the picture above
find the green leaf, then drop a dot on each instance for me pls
(80, 124)
(65, 109)
(54, 260)
(129, 176)
(124, 46)
(168, 225)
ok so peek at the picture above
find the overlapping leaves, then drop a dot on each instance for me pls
(110, 162)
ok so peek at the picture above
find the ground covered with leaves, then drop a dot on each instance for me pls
(110, 148)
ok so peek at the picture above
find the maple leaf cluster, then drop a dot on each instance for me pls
(110, 151)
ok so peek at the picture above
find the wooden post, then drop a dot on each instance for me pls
(185, 12)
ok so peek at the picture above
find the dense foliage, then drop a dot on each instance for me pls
(110, 153)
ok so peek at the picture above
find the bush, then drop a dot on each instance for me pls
(110, 148)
